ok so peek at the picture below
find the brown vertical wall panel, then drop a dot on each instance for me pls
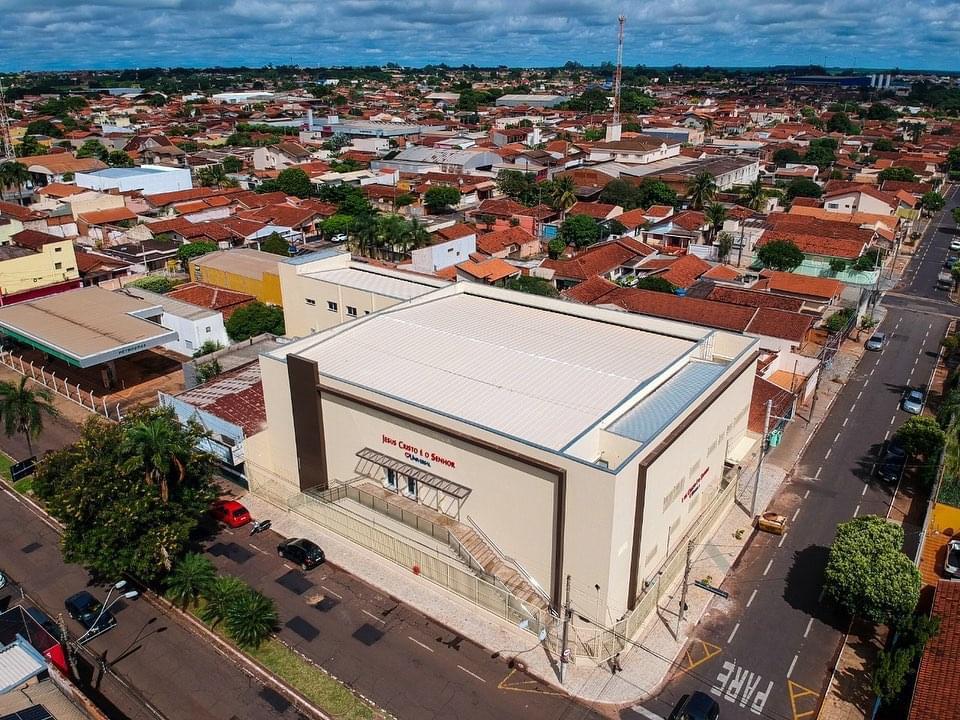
(307, 423)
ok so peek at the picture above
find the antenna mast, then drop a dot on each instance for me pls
(6, 140)
(616, 78)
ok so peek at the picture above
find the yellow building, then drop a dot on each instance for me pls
(31, 260)
(242, 270)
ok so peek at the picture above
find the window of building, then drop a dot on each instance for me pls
(58, 249)
(57, 266)
(331, 306)
(188, 344)
(351, 311)
(208, 328)
(310, 301)
(70, 269)
(366, 312)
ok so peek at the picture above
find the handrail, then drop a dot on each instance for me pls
(516, 563)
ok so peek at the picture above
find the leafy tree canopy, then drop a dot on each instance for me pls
(189, 251)
(803, 187)
(579, 230)
(153, 283)
(921, 436)
(780, 255)
(276, 245)
(786, 156)
(897, 173)
(440, 198)
(255, 319)
(533, 285)
(657, 284)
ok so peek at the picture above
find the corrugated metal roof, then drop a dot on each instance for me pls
(537, 375)
(18, 663)
(647, 419)
(373, 282)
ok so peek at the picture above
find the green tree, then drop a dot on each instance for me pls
(579, 230)
(206, 371)
(953, 158)
(555, 247)
(840, 122)
(838, 265)
(716, 215)
(889, 675)
(868, 574)
(819, 155)
(14, 174)
(251, 618)
(337, 225)
(701, 190)
(803, 187)
(897, 173)
(879, 111)
(276, 245)
(656, 192)
(563, 194)
(621, 192)
(532, 285)
(191, 576)
(255, 319)
(883, 145)
(232, 164)
(921, 436)
(754, 195)
(29, 147)
(656, 284)
(518, 186)
(786, 156)
(724, 245)
(440, 198)
(219, 597)
(209, 346)
(153, 283)
(44, 127)
(188, 251)
(592, 101)
(294, 181)
(956, 215)
(932, 201)
(780, 255)
(23, 409)
(118, 158)
(114, 520)
(93, 148)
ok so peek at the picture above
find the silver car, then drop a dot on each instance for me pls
(951, 563)
(913, 402)
(876, 341)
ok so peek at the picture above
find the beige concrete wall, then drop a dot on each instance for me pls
(272, 454)
(302, 318)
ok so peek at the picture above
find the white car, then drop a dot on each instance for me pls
(339, 238)
(955, 244)
(951, 563)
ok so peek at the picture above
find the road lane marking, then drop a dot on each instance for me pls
(836, 437)
(809, 625)
(734, 632)
(827, 456)
(641, 710)
(736, 684)
(710, 651)
(792, 665)
(815, 477)
(806, 494)
(893, 419)
(339, 597)
(886, 435)
(864, 491)
(782, 538)
(258, 549)
(425, 647)
(795, 513)
(859, 394)
(752, 596)
(288, 567)
(371, 615)
(856, 511)
(845, 422)
(471, 673)
(872, 372)
(769, 565)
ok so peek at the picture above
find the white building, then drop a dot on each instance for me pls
(193, 324)
(242, 98)
(147, 179)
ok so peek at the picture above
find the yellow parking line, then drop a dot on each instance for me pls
(798, 691)
(515, 686)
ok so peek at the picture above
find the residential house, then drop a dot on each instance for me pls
(242, 270)
(448, 246)
(226, 302)
(509, 242)
(280, 156)
(638, 150)
(35, 264)
(194, 324)
(492, 271)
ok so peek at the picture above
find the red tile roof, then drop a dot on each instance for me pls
(491, 271)
(500, 240)
(34, 239)
(110, 215)
(455, 231)
(91, 261)
(753, 298)
(936, 695)
(19, 212)
(214, 298)
(598, 211)
(684, 309)
(791, 284)
(595, 260)
(764, 390)
(781, 324)
(685, 270)
(590, 291)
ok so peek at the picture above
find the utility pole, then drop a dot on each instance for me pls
(686, 581)
(6, 140)
(564, 642)
(67, 648)
(763, 452)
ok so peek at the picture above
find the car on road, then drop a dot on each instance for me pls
(305, 553)
(876, 341)
(892, 462)
(912, 401)
(85, 609)
(696, 706)
(230, 513)
(955, 244)
(951, 563)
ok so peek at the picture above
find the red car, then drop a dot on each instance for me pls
(230, 512)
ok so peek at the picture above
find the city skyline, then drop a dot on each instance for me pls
(534, 33)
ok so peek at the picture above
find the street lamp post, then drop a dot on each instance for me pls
(107, 604)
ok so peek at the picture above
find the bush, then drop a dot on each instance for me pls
(837, 265)
(153, 283)
(255, 319)
(250, 618)
(839, 320)
(191, 577)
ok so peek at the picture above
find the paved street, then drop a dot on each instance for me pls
(177, 673)
(388, 651)
(769, 650)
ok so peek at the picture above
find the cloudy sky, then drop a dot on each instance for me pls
(60, 34)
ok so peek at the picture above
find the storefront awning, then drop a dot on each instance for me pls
(447, 487)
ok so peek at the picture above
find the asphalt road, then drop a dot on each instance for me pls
(391, 653)
(768, 651)
(174, 671)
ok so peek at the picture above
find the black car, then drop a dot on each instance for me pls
(697, 706)
(85, 609)
(950, 261)
(305, 553)
(892, 462)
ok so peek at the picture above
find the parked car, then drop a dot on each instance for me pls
(696, 706)
(892, 462)
(944, 280)
(85, 609)
(44, 621)
(955, 244)
(876, 341)
(230, 513)
(305, 553)
(951, 563)
(338, 238)
(912, 401)
(950, 261)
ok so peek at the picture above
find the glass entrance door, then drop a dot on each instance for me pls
(392, 479)
(411, 487)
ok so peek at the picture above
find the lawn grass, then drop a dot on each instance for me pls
(5, 462)
(324, 691)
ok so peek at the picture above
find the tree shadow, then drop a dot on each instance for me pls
(853, 677)
(804, 583)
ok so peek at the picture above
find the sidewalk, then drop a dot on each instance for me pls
(643, 669)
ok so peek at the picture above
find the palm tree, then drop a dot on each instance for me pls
(191, 577)
(754, 195)
(364, 233)
(391, 230)
(563, 194)
(716, 215)
(220, 596)
(14, 174)
(417, 233)
(23, 410)
(156, 446)
(701, 190)
(251, 618)
(213, 175)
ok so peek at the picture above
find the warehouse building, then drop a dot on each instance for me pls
(548, 436)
